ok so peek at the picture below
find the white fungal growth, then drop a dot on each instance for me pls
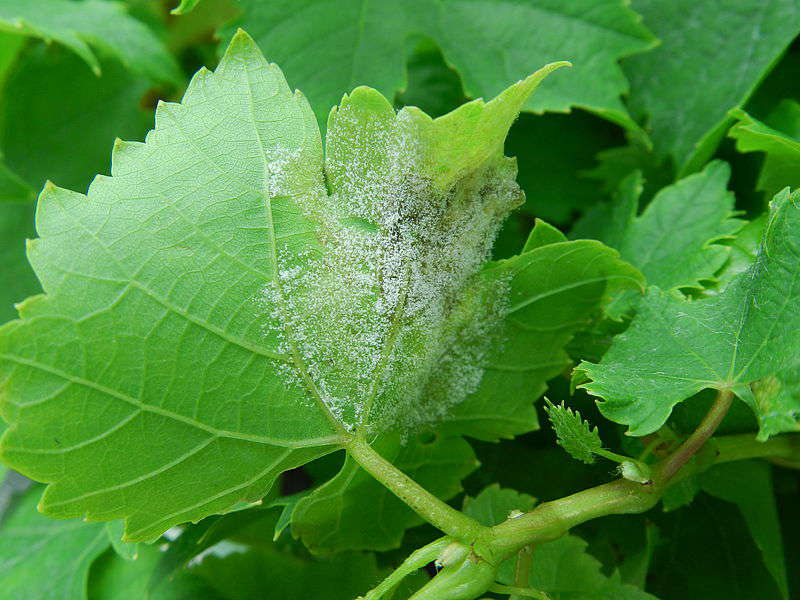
(389, 320)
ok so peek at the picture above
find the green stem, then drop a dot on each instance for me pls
(613, 456)
(551, 520)
(439, 514)
(699, 437)
(416, 560)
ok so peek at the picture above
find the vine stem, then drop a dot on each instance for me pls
(551, 520)
(699, 437)
(439, 514)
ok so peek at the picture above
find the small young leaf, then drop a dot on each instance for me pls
(575, 435)
(106, 25)
(674, 348)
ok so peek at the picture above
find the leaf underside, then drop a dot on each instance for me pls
(235, 303)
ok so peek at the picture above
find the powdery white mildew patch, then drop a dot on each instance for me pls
(391, 320)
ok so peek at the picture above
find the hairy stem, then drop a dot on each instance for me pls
(699, 437)
(439, 514)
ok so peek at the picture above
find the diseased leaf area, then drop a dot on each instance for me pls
(362, 300)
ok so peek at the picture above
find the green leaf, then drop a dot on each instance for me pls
(363, 44)
(782, 161)
(96, 110)
(131, 250)
(93, 23)
(565, 571)
(213, 291)
(778, 400)
(239, 573)
(672, 241)
(432, 85)
(554, 290)
(113, 578)
(44, 558)
(554, 153)
(19, 281)
(353, 511)
(748, 484)
(494, 504)
(184, 7)
(575, 435)
(744, 250)
(115, 531)
(675, 348)
(687, 85)
(706, 552)
(542, 234)
(681, 494)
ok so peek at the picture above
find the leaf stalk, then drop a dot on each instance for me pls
(439, 514)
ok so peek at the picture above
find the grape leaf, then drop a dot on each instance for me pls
(216, 249)
(675, 348)
(16, 224)
(542, 234)
(494, 504)
(113, 578)
(553, 152)
(575, 435)
(778, 399)
(707, 552)
(744, 248)
(104, 25)
(565, 571)
(44, 558)
(782, 161)
(748, 484)
(687, 85)
(36, 124)
(432, 85)
(362, 43)
(554, 290)
(672, 241)
(352, 511)
(95, 109)
(115, 530)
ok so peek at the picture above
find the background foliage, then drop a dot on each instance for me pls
(675, 127)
